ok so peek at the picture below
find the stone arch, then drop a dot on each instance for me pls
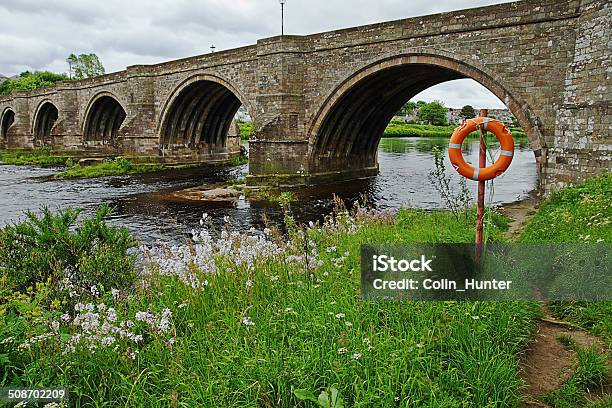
(7, 119)
(44, 119)
(365, 102)
(104, 117)
(199, 113)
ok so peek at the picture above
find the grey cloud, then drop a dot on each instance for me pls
(461, 92)
(40, 34)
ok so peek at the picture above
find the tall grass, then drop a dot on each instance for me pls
(256, 317)
(40, 156)
(582, 213)
(400, 129)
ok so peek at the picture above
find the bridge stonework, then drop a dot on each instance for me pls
(321, 102)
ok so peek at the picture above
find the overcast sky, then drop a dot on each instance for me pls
(40, 34)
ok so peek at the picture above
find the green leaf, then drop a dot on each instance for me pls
(305, 395)
(324, 400)
(336, 400)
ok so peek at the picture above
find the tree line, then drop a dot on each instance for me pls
(433, 113)
(80, 66)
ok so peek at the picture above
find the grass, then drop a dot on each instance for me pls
(582, 213)
(264, 325)
(255, 334)
(400, 129)
(40, 156)
(592, 370)
(121, 166)
(117, 167)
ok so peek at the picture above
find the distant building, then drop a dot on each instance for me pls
(504, 115)
(454, 116)
(3, 78)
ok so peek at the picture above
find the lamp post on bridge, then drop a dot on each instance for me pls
(282, 3)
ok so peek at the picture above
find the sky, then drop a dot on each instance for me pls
(39, 35)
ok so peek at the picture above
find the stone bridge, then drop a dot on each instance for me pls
(321, 102)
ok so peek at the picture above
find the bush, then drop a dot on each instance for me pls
(246, 128)
(28, 81)
(51, 250)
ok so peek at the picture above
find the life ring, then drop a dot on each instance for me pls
(501, 164)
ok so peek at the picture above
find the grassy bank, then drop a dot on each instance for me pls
(251, 320)
(121, 166)
(578, 214)
(400, 129)
(41, 157)
(254, 320)
(117, 167)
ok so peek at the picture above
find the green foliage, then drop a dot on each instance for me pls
(331, 399)
(47, 249)
(238, 160)
(85, 65)
(591, 374)
(395, 129)
(40, 156)
(246, 128)
(434, 113)
(582, 213)
(117, 167)
(400, 129)
(467, 112)
(577, 214)
(29, 81)
(374, 354)
(408, 108)
(457, 200)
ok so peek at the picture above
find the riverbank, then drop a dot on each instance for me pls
(118, 166)
(40, 157)
(268, 318)
(400, 129)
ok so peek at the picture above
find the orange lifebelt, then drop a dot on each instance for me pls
(501, 164)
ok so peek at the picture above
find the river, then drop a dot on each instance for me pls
(141, 204)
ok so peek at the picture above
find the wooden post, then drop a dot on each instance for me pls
(482, 163)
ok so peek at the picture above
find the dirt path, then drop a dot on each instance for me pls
(547, 362)
(520, 213)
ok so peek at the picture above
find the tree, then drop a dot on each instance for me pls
(407, 109)
(467, 112)
(434, 113)
(28, 81)
(84, 66)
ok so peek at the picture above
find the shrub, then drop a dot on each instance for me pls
(28, 81)
(50, 249)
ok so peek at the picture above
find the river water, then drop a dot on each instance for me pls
(141, 204)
